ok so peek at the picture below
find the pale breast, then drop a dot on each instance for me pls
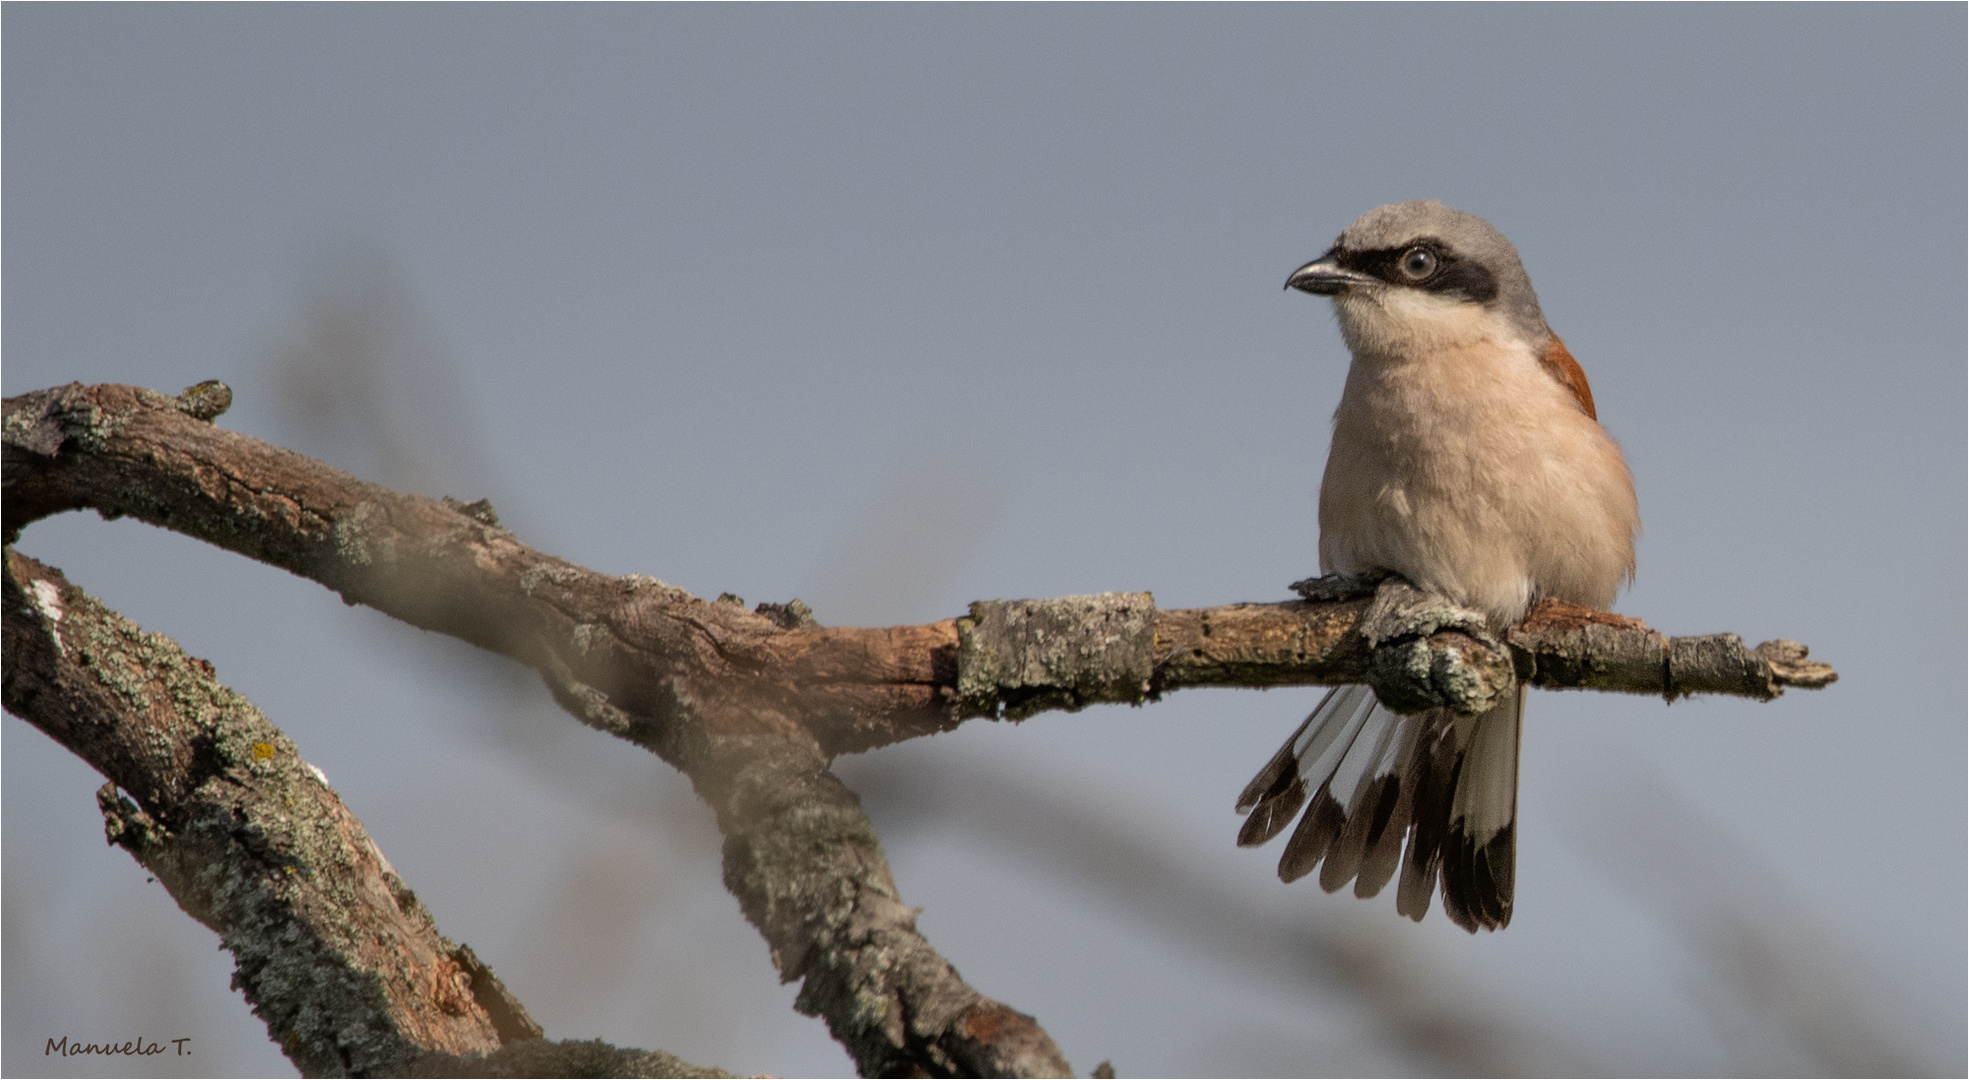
(1473, 472)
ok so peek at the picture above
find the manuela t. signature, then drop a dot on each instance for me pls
(133, 1048)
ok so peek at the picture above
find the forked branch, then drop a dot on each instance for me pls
(754, 704)
(334, 952)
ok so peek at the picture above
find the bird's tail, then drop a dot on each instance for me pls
(1450, 783)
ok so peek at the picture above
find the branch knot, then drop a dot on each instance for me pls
(1019, 657)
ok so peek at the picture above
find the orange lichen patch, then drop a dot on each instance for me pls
(1557, 616)
(986, 1021)
(451, 987)
(1570, 375)
(262, 751)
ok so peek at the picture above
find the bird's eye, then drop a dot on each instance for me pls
(1418, 263)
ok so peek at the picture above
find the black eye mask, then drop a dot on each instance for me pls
(1454, 276)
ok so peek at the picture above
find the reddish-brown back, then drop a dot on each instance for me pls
(1570, 375)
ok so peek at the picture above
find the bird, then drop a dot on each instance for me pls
(1469, 459)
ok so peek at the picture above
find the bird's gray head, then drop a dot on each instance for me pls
(1428, 248)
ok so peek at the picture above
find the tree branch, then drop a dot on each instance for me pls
(719, 692)
(642, 648)
(752, 705)
(334, 952)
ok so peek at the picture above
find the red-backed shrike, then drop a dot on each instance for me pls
(1468, 458)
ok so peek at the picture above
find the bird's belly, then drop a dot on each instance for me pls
(1493, 495)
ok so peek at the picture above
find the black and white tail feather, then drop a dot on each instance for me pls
(1449, 783)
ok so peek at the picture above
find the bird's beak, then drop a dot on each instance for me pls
(1325, 277)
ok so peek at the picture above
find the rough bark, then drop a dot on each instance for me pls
(575, 1057)
(753, 704)
(722, 693)
(334, 952)
(633, 655)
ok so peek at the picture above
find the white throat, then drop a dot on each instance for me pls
(1394, 322)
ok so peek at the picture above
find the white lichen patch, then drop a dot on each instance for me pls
(352, 534)
(377, 852)
(17, 424)
(92, 427)
(48, 600)
(119, 655)
(539, 572)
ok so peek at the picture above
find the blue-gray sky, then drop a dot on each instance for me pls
(892, 308)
